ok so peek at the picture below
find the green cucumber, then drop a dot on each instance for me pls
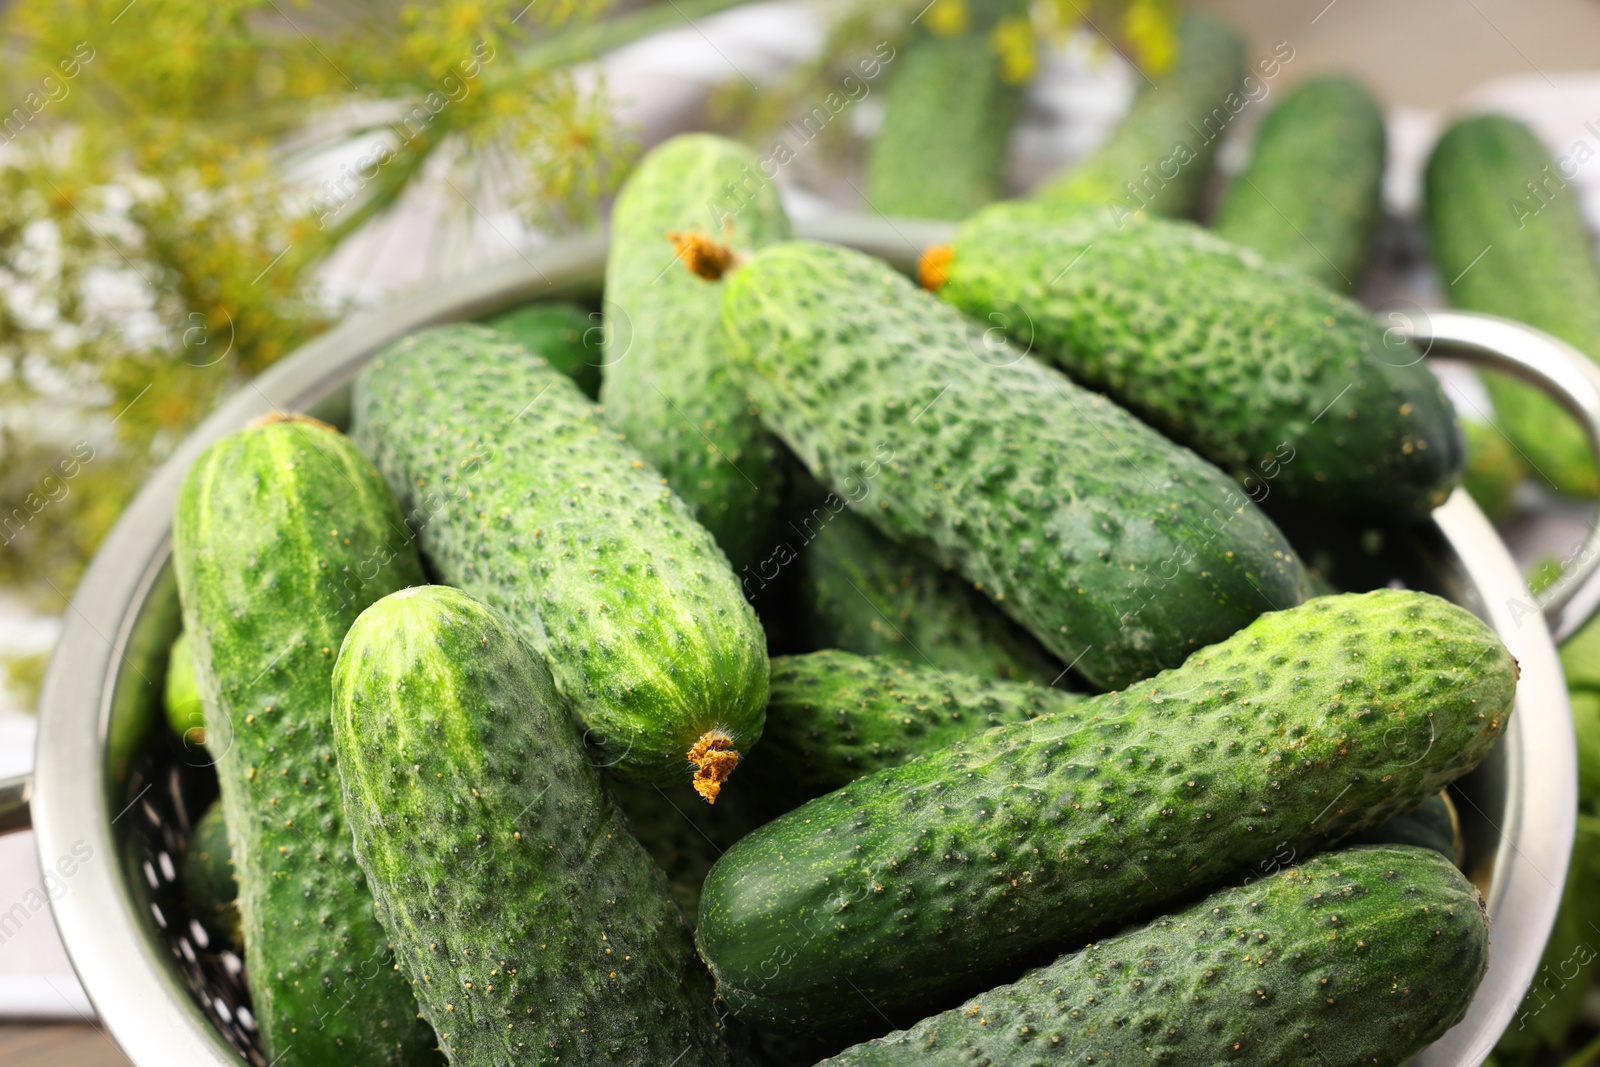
(919, 884)
(1494, 469)
(564, 334)
(686, 839)
(1508, 239)
(1363, 956)
(186, 714)
(941, 152)
(1290, 387)
(861, 592)
(1432, 824)
(210, 887)
(1312, 194)
(284, 533)
(525, 497)
(1160, 158)
(667, 386)
(534, 928)
(1119, 551)
(834, 716)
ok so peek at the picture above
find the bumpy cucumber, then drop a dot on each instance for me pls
(564, 334)
(1508, 239)
(667, 385)
(186, 713)
(534, 927)
(834, 717)
(1119, 551)
(284, 533)
(919, 884)
(524, 496)
(210, 887)
(1432, 824)
(1312, 194)
(1159, 159)
(686, 839)
(861, 592)
(1291, 387)
(941, 153)
(1362, 956)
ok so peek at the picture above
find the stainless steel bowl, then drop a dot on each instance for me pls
(99, 719)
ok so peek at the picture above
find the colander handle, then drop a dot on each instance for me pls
(1573, 380)
(16, 794)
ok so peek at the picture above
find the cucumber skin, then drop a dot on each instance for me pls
(534, 928)
(1007, 473)
(181, 693)
(667, 386)
(564, 334)
(834, 717)
(1541, 270)
(1432, 824)
(902, 888)
(268, 592)
(1119, 176)
(555, 520)
(861, 592)
(209, 886)
(1366, 955)
(1286, 385)
(941, 153)
(1312, 194)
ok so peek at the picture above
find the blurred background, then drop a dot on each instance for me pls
(188, 191)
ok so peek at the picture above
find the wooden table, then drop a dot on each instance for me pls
(58, 1045)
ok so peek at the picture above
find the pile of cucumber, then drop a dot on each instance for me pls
(1013, 731)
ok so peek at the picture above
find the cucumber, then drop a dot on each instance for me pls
(667, 386)
(564, 334)
(915, 886)
(1293, 389)
(685, 839)
(1494, 469)
(210, 887)
(1508, 239)
(1118, 550)
(525, 497)
(181, 695)
(834, 717)
(1366, 955)
(861, 592)
(284, 532)
(1312, 194)
(941, 152)
(1160, 158)
(534, 928)
(1432, 824)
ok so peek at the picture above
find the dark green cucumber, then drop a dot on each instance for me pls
(284, 533)
(917, 885)
(186, 714)
(1119, 551)
(1432, 824)
(667, 386)
(941, 152)
(1508, 239)
(861, 592)
(210, 887)
(1362, 956)
(834, 716)
(534, 928)
(1292, 388)
(564, 334)
(1160, 158)
(686, 838)
(1312, 194)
